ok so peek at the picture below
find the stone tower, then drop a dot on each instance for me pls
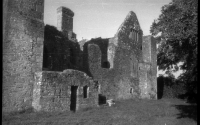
(23, 35)
(148, 68)
(150, 42)
(65, 21)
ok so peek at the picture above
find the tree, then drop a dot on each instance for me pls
(176, 31)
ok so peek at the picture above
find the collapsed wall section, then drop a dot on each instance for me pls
(104, 76)
(23, 37)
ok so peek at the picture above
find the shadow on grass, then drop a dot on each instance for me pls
(191, 97)
(187, 111)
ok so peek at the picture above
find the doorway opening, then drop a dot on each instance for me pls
(73, 98)
(102, 99)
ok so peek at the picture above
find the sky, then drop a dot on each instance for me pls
(102, 18)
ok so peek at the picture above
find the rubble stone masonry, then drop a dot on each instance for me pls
(23, 36)
(52, 91)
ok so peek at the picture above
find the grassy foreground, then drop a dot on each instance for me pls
(124, 112)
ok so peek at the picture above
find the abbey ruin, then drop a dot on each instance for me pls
(45, 68)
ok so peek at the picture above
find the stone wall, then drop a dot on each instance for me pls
(144, 81)
(52, 91)
(150, 61)
(103, 45)
(22, 51)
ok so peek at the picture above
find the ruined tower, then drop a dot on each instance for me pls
(65, 22)
(23, 34)
(148, 72)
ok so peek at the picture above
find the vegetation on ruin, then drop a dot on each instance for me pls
(124, 112)
(176, 31)
(59, 52)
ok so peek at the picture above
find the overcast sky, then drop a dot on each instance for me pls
(102, 18)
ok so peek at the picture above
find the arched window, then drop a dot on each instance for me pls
(131, 90)
(85, 91)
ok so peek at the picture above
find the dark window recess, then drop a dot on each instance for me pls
(72, 56)
(73, 98)
(105, 64)
(85, 92)
(102, 99)
(45, 58)
(96, 84)
(131, 29)
(131, 90)
(141, 47)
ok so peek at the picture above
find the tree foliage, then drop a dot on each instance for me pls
(176, 31)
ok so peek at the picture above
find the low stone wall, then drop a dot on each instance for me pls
(52, 91)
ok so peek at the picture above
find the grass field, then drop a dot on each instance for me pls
(124, 112)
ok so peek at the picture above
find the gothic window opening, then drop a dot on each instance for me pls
(135, 36)
(131, 90)
(132, 34)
